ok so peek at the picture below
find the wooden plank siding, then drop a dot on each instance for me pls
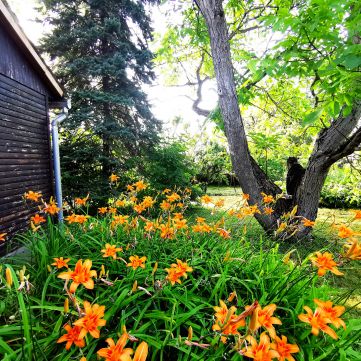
(25, 161)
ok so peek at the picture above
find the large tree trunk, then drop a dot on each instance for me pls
(333, 143)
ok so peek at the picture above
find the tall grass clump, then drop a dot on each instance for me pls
(142, 281)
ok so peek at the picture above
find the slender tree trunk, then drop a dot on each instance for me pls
(333, 143)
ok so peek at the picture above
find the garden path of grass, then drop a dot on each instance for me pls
(324, 237)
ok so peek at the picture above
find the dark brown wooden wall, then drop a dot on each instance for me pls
(25, 162)
(24, 152)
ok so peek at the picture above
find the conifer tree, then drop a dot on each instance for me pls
(100, 48)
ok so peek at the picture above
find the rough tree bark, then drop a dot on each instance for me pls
(333, 143)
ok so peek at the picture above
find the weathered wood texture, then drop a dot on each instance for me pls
(24, 152)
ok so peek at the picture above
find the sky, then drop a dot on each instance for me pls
(167, 102)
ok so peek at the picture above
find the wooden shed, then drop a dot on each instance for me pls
(28, 90)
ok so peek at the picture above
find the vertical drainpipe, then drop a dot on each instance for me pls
(56, 159)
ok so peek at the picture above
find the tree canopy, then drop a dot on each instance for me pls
(258, 47)
(100, 49)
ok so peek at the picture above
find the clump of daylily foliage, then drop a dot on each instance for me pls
(142, 280)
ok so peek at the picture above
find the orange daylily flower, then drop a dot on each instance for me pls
(223, 233)
(265, 319)
(37, 219)
(102, 210)
(284, 349)
(166, 191)
(182, 267)
(318, 322)
(116, 351)
(173, 276)
(92, 320)
(120, 203)
(325, 262)
(260, 351)
(219, 203)
(268, 210)
(81, 201)
(166, 231)
(2, 236)
(61, 262)
(331, 313)
(267, 198)
(226, 321)
(206, 199)
(345, 232)
(140, 185)
(353, 250)
(245, 196)
(112, 210)
(141, 352)
(357, 214)
(111, 251)
(178, 270)
(307, 223)
(82, 274)
(51, 208)
(149, 226)
(173, 197)
(136, 262)
(113, 178)
(165, 206)
(180, 224)
(32, 196)
(71, 337)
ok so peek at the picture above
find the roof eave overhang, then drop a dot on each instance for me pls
(24, 43)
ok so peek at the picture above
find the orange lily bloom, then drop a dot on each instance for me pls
(173, 276)
(116, 352)
(265, 319)
(331, 313)
(284, 349)
(206, 199)
(226, 321)
(180, 223)
(141, 352)
(140, 185)
(325, 262)
(173, 197)
(219, 203)
(182, 268)
(102, 210)
(113, 178)
(2, 236)
(37, 219)
(345, 232)
(82, 274)
(246, 196)
(81, 201)
(166, 231)
(353, 250)
(267, 198)
(318, 322)
(51, 208)
(61, 262)
(32, 196)
(92, 320)
(111, 251)
(223, 233)
(268, 210)
(357, 214)
(72, 337)
(307, 223)
(136, 262)
(260, 351)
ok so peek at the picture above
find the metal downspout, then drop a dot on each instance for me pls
(56, 159)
